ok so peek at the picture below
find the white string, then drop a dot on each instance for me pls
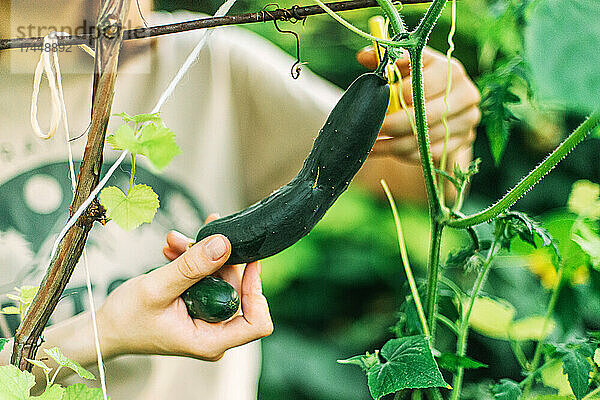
(163, 98)
(45, 65)
(59, 108)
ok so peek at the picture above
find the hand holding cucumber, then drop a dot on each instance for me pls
(396, 137)
(147, 315)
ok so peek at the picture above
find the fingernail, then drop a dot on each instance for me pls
(215, 248)
(180, 236)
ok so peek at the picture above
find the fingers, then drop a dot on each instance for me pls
(177, 243)
(462, 98)
(255, 323)
(459, 125)
(167, 283)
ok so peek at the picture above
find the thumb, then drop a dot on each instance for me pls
(202, 259)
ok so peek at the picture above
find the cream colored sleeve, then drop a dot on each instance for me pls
(277, 117)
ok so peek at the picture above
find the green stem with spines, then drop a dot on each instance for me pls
(393, 15)
(433, 275)
(461, 349)
(532, 178)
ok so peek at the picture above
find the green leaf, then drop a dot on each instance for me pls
(475, 262)
(497, 96)
(597, 357)
(458, 258)
(159, 145)
(365, 361)
(514, 223)
(80, 392)
(41, 365)
(23, 298)
(3, 343)
(156, 142)
(14, 383)
(407, 363)
(531, 328)
(506, 390)
(54, 392)
(575, 356)
(124, 139)
(565, 65)
(584, 199)
(577, 368)
(62, 360)
(491, 317)
(451, 362)
(464, 177)
(141, 118)
(130, 211)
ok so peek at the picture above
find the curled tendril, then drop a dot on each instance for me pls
(288, 15)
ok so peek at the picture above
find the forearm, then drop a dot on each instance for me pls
(74, 337)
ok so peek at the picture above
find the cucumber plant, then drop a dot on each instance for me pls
(410, 364)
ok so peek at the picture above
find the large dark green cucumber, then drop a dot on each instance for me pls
(280, 220)
(283, 218)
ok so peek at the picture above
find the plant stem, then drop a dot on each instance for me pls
(132, 173)
(416, 66)
(533, 177)
(393, 15)
(537, 355)
(405, 262)
(461, 349)
(532, 375)
(433, 275)
(62, 265)
(446, 321)
(421, 33)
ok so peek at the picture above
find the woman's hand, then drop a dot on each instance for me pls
(396, 137)
(146, 314)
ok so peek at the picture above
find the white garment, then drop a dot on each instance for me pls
(244, 126)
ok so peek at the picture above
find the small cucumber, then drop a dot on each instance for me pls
(212, 300)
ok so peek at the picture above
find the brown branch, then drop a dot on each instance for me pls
(108, 44)
(282, 14)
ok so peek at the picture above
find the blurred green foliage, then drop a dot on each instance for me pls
(337, 292)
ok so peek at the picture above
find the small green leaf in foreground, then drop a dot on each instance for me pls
(156, 142)
(3, 343)
(14, 383)
(130, 211)
(54, 392)
(63, 361)
(140, 118)
(407, 363)
(80, 392)
(124, 139)
(506, 390)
